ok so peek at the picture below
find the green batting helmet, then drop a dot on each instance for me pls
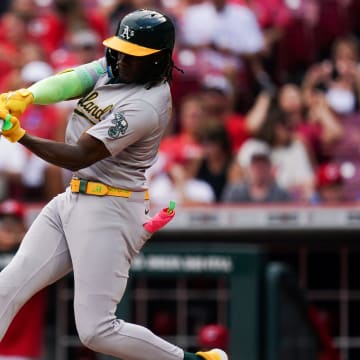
(143, 32)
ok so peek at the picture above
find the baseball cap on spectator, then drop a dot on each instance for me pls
(181, 155)
(12, 208)
(35, 71)
(329, 174)
(253, 149)
(186, 153)
(217, 82)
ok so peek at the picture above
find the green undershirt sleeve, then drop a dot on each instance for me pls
(69, 84)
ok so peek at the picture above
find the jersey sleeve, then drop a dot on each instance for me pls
(126, 125)
(69, 84)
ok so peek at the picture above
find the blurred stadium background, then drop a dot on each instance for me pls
(262, 159)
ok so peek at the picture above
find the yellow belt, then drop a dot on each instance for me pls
(96, 188)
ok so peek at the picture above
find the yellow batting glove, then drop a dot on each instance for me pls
(12, 129)
(17, 101)
(3, 104)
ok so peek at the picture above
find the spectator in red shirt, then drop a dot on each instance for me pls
(50, 28)
(12, 35)
(42, 26)
(218, 96)
(186, 141)
(73, 15)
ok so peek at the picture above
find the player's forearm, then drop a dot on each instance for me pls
(67, 85)
(256, 116)
(58, 88)
(64, 155)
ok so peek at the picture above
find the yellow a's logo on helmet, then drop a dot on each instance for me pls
(127, 33)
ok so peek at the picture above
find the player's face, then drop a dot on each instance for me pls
(131, 68)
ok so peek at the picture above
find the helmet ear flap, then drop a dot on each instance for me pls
(111, 60)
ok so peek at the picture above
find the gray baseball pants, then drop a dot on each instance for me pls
(96, 238)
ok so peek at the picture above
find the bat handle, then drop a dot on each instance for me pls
(5, 124)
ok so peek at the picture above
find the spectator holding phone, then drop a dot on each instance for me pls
(338, 78)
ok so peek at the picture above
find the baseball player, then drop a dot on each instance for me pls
(95, 228)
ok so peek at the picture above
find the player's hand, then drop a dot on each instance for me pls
(4, 109)
(16, 132)
(17, 101)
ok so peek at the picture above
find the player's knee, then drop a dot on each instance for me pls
(94, 323)
(91, 334)
(87, 337)
(94, 335)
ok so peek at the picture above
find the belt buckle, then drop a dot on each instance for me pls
(74, 185)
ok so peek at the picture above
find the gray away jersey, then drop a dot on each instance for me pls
(130, 120)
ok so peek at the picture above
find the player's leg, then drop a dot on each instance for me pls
(42, 258)
(102, 247)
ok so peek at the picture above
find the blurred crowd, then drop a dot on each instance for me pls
(24, 339)
(266, 107)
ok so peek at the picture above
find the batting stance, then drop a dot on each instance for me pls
(95, 228)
